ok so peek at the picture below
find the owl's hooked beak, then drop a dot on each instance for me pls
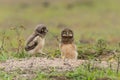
(46, 31)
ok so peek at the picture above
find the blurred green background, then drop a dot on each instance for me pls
(89, 19)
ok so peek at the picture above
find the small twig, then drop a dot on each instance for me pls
(110, 66)
(118, 60)
(89, 66)
(118, 65)
(55, 36)
(3, 41)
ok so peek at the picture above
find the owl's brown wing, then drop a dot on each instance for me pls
(31, 43)
(31, 46)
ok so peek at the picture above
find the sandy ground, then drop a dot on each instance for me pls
(36, 63)
(30, 65)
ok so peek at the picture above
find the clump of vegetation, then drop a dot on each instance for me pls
(82, 73)
(97, 51)
(101, 47)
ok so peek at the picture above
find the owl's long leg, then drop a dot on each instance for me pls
(65, 61)
(41, 52)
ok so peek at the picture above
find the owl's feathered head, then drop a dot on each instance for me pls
(41, 30)
(67, 36)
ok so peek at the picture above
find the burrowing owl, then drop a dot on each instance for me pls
(67, 46)
(36, 41)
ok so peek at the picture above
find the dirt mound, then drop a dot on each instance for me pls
(36, 63)
(28, 66)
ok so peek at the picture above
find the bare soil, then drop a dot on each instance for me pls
(27, 66)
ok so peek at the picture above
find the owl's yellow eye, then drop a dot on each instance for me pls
(64, 35)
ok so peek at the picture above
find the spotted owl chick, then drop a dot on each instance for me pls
(36, 41)
(67, 46)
